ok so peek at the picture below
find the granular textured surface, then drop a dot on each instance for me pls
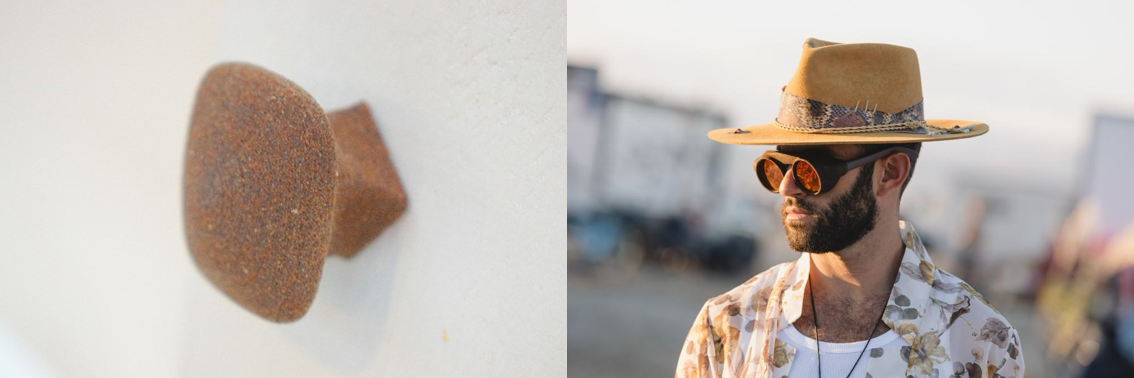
(262, 173)
(369, 193)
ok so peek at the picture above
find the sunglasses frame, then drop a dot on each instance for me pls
(829, 169)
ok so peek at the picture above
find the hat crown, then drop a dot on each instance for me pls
(852, 93)
(853, 74)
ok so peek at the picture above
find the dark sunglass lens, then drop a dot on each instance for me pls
(807, 176)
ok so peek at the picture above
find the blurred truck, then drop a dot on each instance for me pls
(644, 184)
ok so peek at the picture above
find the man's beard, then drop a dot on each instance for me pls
(844, 222)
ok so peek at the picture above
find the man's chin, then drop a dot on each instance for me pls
(798, 236)
(795, 232)
(799, 246)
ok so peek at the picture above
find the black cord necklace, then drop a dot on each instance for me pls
(815, 320)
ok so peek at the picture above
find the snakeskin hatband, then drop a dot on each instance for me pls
(810, 116)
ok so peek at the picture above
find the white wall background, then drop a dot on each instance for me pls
(95, 278)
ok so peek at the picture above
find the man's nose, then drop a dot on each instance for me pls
(788, 188)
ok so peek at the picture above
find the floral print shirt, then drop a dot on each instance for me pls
(951, 329)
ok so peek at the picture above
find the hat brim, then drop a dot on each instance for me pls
(771, 134)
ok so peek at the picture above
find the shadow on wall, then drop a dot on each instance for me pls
(355, 295)
(343, 330)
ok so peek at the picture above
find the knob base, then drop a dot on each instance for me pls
(368, 193)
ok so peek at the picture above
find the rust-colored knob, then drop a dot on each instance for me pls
(273, 185)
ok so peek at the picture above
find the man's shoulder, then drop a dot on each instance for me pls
(972, 321)
(958, 302)
(751, 296)
(949, 289)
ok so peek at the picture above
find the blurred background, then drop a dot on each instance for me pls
(1035, 214)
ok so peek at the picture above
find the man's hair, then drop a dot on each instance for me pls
(867, 149)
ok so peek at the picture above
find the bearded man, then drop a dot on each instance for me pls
(864, 299)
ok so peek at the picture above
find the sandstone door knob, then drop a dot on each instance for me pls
(273, 185)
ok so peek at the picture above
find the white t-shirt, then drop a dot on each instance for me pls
(837, 357)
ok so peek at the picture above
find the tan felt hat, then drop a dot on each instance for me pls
(854, 93)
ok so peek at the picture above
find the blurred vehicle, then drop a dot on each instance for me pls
(644, 184)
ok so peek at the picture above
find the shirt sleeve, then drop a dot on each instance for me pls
(1007, 362)
(698, 354)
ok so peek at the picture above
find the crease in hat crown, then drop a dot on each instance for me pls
(849, 75)
(852, 93)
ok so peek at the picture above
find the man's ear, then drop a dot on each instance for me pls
(895, 168)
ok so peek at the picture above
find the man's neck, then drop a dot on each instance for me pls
(859, 278)
(862, 271)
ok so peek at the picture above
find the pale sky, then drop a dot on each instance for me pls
(1036, 74)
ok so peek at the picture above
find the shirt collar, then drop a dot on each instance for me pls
(911, 288)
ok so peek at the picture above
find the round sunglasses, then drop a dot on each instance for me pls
(816, 173)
